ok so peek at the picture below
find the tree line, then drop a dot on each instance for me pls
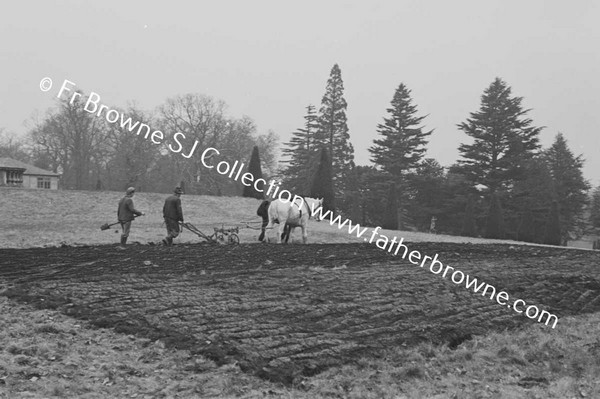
(503, 186)
(92, 154)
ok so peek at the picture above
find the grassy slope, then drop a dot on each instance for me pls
(33, 218)
(35, 362)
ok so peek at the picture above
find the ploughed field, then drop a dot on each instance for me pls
(286, 311)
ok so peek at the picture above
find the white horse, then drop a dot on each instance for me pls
(295, 214)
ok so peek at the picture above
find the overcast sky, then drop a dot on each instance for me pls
(269, 59)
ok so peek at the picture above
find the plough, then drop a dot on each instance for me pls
(220, 235)
(253, 225)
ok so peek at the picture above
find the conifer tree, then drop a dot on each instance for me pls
(256, 171)
(302, 154)
(322, 184)
(595, 209)
(570, 186)
(495, 219)
(333, 131)
(391, 215)
(402, 146)
(372, 195)
(530, 202)
(503, 138)
(426, 191)
(553, 229)
(456, 191)
(469, 227)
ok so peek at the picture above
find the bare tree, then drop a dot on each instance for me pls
(13, 147)
(70, 139)
(130, 158)
(193, 122)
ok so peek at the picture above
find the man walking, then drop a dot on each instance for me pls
(126, 213)
(173, 215)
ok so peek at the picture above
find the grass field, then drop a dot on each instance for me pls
(46, 354)
(37, 218)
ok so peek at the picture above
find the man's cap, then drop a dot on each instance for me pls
(178, 190)
(130, 190)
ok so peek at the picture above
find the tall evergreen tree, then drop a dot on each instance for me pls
(403, 141)
(570, 186)
(322, 184)
(469, 227)
(503, 138)
(530, 202)
(495, 219)
(553, 229)
(302, 154)
(371, 195)
(401, 147)
(391, 215)
(595, 209)
(333, 131)
(254, 169)
(454, 194)
(427, 194)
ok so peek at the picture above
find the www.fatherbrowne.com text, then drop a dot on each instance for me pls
(396, 246)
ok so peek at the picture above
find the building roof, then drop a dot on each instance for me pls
(9, 163)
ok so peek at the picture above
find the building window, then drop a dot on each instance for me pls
(14, 178)
(43, 182)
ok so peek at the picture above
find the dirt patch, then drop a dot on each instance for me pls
(283, 312)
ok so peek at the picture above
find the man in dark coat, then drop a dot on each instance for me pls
(263, 212)
(173, 215)
(126, 212)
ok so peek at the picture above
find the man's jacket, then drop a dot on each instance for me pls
(263, 210)
(127, 211)
(172, 209)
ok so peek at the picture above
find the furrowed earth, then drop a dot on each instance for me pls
(288, 312)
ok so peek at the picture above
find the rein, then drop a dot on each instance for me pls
(305, 204)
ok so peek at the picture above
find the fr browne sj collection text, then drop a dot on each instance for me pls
(96, 108)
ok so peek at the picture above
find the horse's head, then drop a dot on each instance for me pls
(313, 204)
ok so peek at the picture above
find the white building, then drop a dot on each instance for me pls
(19, 174)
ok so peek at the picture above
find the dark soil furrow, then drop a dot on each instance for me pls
(286, 311)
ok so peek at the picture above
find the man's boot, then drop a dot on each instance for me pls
(123, 242)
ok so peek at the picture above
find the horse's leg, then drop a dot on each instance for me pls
(284, 236)
(304, 234)
(280, 232)
(268, 227)
(288, 232)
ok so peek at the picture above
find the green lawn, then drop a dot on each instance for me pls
(35, 218)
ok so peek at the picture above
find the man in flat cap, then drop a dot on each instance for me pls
(126, 213)
(173, 215)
